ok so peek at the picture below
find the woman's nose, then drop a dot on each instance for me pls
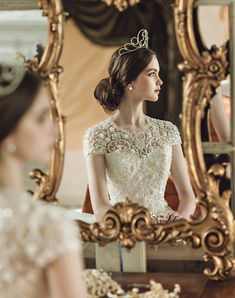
(159, 81)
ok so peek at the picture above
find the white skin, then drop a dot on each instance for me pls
(34, 138)
(130, 116)
(219, 117)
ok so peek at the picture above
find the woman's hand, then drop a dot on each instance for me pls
(172, 216)
(166, 218)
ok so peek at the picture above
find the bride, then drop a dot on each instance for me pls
(130, 154)
(40, 252)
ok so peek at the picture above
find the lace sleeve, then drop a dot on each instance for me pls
(51, 233)
(94, 141)
(174, 135)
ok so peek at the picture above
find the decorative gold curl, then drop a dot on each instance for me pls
(121, 5)
(128, 222)
(222, 267)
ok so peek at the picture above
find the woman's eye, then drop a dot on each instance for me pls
(42, 118)
(151, 74)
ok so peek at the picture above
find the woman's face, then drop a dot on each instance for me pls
(147, 85)
(35, 135)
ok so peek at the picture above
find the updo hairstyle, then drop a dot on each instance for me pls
(123, 69)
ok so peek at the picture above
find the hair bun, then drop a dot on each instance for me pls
(108, 94)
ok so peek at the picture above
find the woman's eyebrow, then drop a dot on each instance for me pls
(41, 111)
(155, 69)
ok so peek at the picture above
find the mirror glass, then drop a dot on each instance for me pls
(214, 25)
(26, 32)
(214, 29)
(85, 62)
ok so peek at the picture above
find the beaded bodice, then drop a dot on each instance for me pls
(33, 234)
(137, 163)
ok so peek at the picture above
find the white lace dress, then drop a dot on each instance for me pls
(137, 163)
(32, 235)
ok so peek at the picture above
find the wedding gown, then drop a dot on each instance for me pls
(33, 234)
(137, 162)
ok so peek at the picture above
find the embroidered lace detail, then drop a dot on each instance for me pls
(32, 235)
(138, 163)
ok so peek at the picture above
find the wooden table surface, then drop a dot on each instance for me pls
(192, 285)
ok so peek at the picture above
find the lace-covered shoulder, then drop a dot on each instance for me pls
(168, 132)
(32, 235)
(38, 232)
(52, 233)
(106, 137)
(96, 138)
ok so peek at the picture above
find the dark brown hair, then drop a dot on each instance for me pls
(122, 71)
(17, 103)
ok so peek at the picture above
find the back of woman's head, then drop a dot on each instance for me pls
(123, 69)
(17, 100)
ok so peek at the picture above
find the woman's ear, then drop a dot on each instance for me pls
(8, 144)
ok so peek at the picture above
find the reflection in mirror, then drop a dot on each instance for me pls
(219, 116)
(121, 130)
(219, 121)
(209, 18)
(83, 111)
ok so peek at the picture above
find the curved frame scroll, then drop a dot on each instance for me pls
(128, 222)
(203, 71)
(47, 66)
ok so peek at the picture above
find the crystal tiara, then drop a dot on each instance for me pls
(137, 42)
(11, 74)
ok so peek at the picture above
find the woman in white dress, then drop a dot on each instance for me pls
(130, 154)
(40, 251)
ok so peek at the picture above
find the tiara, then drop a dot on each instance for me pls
(138, 42)
(11, 74)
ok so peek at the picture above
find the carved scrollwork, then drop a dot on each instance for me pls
(128, 222)
(203, 70)
(53, 10)
(47, 66)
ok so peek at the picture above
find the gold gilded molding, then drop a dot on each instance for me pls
(203, 70)
(121, 5)
(53, 11)
(47, 66)
(128, 222)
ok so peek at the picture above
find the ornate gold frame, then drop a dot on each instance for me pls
(128, 222)
(213, 229)
(47, 66)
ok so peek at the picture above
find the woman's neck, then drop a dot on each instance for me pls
(11, 176)
(130, 115)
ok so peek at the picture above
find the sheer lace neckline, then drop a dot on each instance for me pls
(130, 131)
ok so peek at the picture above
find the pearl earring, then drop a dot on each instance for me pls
(11, 148)
(130, 87)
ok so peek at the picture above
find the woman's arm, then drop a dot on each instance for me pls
(64, 277)
(96, 171)
(219, 118)
(181, 179)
